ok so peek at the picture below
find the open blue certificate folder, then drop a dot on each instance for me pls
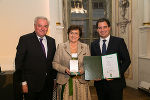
(101, 67)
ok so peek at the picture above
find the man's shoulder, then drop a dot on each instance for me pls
(50, 38)
(95, 42)
(116, 38)
(28, 35)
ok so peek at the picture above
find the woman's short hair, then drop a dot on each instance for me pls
(75, 27)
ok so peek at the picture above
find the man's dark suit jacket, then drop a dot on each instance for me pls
(115, 45)
(32, 63)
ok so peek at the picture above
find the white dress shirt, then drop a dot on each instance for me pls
(101, 42)
(44, 41)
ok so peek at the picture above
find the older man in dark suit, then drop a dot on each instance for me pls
(35, 52)
(110, 89)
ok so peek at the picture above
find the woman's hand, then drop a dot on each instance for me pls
(67, 71)
(81, 71)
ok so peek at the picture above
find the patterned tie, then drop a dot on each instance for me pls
(104, 48)
(42, 45)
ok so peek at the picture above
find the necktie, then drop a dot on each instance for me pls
(42, 45)
(104, 47)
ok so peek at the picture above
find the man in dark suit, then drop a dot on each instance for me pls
(110, 89)
(35, 52)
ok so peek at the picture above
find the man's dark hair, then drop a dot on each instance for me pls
(75, 27)
(103, 20)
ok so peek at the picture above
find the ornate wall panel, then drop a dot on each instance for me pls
(122, 25)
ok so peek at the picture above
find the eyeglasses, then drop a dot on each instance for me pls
(74, 33)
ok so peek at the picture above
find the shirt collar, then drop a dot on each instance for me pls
(44, 38)
(107, 38)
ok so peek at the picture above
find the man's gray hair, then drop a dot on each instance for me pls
(40, 17)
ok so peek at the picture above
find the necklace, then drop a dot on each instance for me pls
(73, 47)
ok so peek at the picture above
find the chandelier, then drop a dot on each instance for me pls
(77, 7)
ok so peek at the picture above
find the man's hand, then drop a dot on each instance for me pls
(97, 79)
(106, 79)
(25, 88)
(109, 79)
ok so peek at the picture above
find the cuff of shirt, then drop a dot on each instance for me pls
(24, 83)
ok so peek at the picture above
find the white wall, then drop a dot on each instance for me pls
(56, 16)
(16, 18)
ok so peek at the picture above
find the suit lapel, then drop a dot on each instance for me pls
(80, 48)
(109, 44)
(36, 42)
(97, 47)
(49, 47)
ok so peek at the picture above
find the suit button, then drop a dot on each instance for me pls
(46, 74)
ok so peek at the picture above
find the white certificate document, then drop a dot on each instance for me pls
(74, 65)
(110, 66)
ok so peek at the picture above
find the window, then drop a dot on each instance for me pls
(92, 10)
